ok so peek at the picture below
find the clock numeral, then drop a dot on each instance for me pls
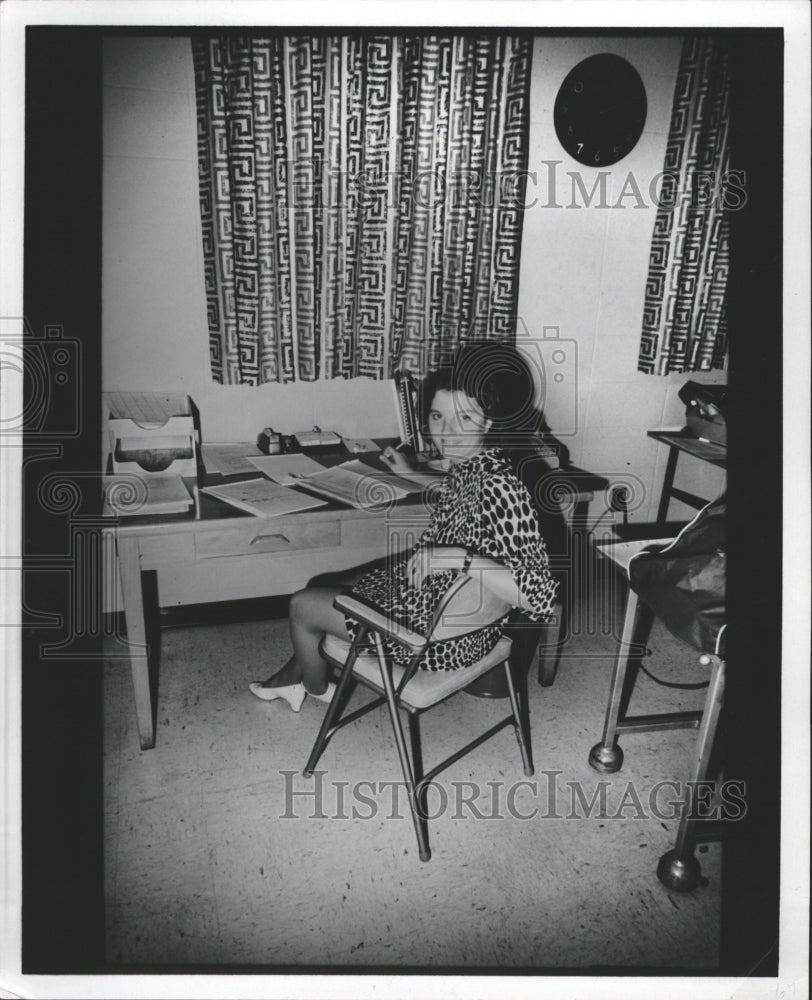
(615, 150)
(570, 131)
(597, 158)
(580, 146)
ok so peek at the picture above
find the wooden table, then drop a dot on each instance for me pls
(217, 553)
(684, 441)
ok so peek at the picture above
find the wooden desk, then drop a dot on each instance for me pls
(219, 554)
(705, 451)
(223, 555)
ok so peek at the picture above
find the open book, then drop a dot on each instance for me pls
(262, 497)
(358, 485)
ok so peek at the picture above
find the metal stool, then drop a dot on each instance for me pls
(678, 869)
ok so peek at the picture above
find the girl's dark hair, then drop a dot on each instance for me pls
(499, 379)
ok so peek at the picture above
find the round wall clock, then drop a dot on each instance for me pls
(600, 110)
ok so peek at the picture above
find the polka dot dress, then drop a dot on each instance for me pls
(481, 505)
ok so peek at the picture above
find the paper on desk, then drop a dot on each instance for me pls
(281, 468)
(354, 483)
(262, 498)
(230, 459)
(147, 408)
(127, 494)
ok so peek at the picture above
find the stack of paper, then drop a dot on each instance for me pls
(230, 459)
(147, 408)
(127, 495)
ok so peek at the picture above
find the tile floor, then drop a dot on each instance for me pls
(214, 858)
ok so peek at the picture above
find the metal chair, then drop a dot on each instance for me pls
(413, 690)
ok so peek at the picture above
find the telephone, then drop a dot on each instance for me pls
(270, 442)
(407, 408)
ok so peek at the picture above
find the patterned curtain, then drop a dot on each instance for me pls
(360, 200)
(685, 313)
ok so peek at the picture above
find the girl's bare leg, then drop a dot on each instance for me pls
(312, 615)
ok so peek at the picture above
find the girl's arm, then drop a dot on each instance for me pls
(492, 575)
(396, 460)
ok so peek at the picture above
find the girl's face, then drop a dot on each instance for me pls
(457, 425)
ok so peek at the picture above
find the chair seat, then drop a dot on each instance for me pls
(427, 687)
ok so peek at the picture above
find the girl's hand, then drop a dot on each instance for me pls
(395, 460)
(429, 559)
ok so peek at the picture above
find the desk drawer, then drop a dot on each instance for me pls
(264, 536)
(165, 550)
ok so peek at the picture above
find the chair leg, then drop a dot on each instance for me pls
(519, 718)
(678, 868)
(421, 789)
(325, 732)
(420, 825)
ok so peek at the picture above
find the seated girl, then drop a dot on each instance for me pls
(484, 522)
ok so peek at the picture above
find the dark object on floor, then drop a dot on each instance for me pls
(684, 583)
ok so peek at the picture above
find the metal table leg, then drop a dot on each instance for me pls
(606, 756)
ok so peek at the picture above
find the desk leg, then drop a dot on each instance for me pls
(668, 482)
(606, 756)
(129, 561)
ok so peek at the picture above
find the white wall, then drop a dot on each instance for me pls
(583, 271)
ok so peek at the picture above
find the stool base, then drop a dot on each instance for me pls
(606, 759)
(679, 874)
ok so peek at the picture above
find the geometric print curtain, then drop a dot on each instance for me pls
(360, 199)
(463, 160)
(685, 311)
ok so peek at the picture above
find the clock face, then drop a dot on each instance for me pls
(600, 110)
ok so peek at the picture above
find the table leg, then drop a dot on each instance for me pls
(129, 563)
(606, 756)
(668, 482)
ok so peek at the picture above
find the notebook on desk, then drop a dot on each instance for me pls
(357, 485)
(262, 497)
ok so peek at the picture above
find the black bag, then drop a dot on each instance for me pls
(705, 411)
(684, 581)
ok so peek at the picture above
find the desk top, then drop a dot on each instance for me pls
(621, 553)
(210, 514)
(707, 451)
